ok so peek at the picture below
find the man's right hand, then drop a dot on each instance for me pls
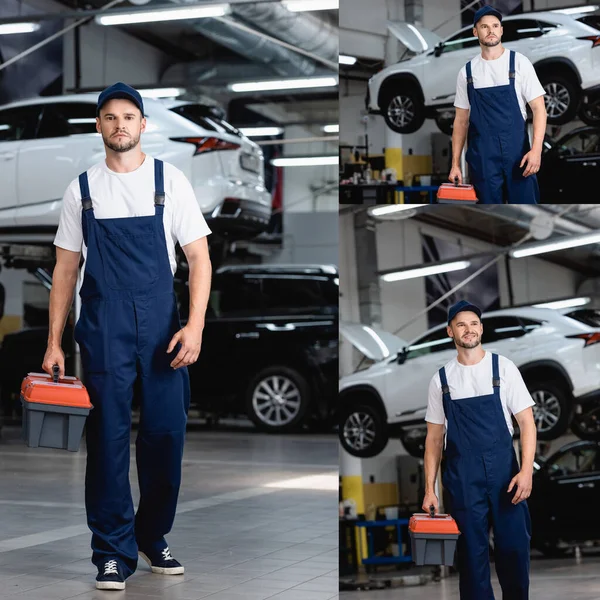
(430, 498)
(54, 356)
(454, 173)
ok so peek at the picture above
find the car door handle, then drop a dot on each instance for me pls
(590, 164)
(8, 155)
(586, 485)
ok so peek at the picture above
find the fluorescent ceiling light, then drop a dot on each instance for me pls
(347, 60)
(4, 127)
(331, 128)
(165, 14)
(260, 131)
(562, 244)
(10, 28)
(573, 302)
(82, 121)
(576, 10)
(310, 482)
(305, 161)
(384, 349)
(305, 5)
(426, 271)
(162, 92)
(379, 211)
(283, 84)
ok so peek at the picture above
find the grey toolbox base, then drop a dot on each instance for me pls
(50, 426)
(433, 548)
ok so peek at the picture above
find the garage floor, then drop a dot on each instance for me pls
(551, 579)
(236, 537)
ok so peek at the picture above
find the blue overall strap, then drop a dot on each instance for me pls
(469, 74)
(159, 183)
(444, 381)
(84, 188)
(495, 373)
(511, 69)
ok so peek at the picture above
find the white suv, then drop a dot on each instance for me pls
(46, 142)
(563, 49)
(557, 352)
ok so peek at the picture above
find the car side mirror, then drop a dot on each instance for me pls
(438, 49)
(402, 356)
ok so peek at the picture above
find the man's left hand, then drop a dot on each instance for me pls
(533, 160)
(191, 341)
(523, 482)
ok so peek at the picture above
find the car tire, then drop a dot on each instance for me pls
(277, 399)
(590, 113)
(402, 108)
(586, 426)
(445, 121)
(552, 409)
(358, 420)
(560, 90)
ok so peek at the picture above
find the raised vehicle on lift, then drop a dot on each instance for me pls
(564, 49)
(556, 351)
(55, 139)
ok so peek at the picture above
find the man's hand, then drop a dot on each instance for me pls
(190, 340)
(455, 172)
(54, 356)
(430, 498)
(533, 159)
(523, 482)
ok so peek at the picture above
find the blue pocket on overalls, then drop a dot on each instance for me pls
(90, 334)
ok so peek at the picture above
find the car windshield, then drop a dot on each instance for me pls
(587, 316)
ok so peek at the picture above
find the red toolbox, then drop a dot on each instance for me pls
(453, 193)
(54, 410)
(433, 538)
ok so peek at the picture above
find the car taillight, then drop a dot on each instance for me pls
(588, 338)
(595, 39)
(207, 144)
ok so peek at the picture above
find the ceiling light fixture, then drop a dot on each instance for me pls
(305, 161)
(261, 131)
(331, 128)
(164, 14)
(571, 303)
(576, 10)
(561, 244)
(380, 211)
(283, 84)
(12, 28)
(347, 60)
(308, 5)
(426, 271)
(162, 92)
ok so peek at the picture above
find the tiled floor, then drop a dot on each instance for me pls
(551, 579)
(237, 536)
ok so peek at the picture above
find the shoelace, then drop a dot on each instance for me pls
(167, 554)
(110, 568)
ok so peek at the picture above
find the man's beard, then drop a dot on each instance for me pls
(491, 43)
(125, 146)
(472, 344)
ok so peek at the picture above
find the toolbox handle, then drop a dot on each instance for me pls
(55, 373)
(456, 184)
(432, 507)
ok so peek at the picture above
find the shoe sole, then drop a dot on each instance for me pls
(110, 585)
(162, 570)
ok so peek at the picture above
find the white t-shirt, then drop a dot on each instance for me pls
(492, 73)
(476, 380)
(120, 195)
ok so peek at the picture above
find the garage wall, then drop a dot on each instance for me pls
(13, 281)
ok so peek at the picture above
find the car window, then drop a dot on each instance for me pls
(530, 324)
(587, 316)
(295, 294)
(67, 118)
(546, 27)
(433, 342)
(463, 39)
(575, 461)
(235, 295)
(591, 20)
(520, 29)
(501, 328)
(581, 142)
(201, 115)
(18, 123)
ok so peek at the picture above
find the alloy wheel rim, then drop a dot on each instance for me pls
(359, 430)
(401, 111)
(547, 410)
(557, 100)
(276, 400)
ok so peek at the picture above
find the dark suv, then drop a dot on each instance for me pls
(269, 349)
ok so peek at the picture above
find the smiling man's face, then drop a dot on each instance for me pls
(466, 329)
(121, 124)
(489, 31)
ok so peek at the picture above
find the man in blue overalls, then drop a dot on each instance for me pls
(126, 214)
(471, 401)
(492, 93)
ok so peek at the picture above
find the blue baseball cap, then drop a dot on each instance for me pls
(484, 11)
(120, 90)
(461, 307)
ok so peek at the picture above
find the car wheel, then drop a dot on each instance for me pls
(445, 121)
(277, 399)
(551, 410)
(562, 98)
(586, 426)
(362, 430)
(590, 113)
(403, 109)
